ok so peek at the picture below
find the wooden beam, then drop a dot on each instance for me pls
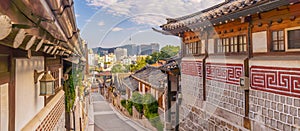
(6, 26)
(49, 49)
(30, 43)
(38, 47)
(19, 38)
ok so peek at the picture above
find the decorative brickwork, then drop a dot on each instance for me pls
(226, 96)
(223, 97)
(274, 111)
(197, 119)
(285, 81)
(193, 68)
(52, 119)
(192, 86)
(227, 73)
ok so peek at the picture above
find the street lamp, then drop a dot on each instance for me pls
(46, 83)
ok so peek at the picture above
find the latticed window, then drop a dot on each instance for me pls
(219, 46)
(199, 48)
(242, 43)
(278, 40)
(55, 74)
(193, 48)
(232, 44)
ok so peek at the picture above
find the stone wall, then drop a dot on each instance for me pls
(224, 105)
(274, 111)
(226, 96)
(274, 93)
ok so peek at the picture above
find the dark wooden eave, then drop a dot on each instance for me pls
(247, 11)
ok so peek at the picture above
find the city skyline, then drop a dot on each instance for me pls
(108, 23)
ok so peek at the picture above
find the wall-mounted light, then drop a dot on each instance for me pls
(244, 83)
(46, 83)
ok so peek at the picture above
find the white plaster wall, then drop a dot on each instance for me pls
(259, 42)
(203, 46)
(276, 61)
(4, 107)
(28, 101)
(211, 46)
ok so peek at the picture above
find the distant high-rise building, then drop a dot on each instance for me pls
(146, 49)
(131, 49)
(120, 53)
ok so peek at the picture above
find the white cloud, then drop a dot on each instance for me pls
(116, 29)
(88, 20)
(152, 12)
(101, 23)
(77, 15)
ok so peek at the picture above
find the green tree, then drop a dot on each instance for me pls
(170, 50)
(118, 68)
(139, 65)
(137, 100)
(150, 105)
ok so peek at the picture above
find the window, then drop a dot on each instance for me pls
(243, 43)
(232, 44)
(219, 46)
(277, 40)
(193, 48)
(55, 74)
(199, 47)
(293, 39)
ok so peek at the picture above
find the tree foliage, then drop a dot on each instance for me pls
(166, 52)
(118, 68)
(139, 65)
(170, 50)
(137, 100)
(150, 105)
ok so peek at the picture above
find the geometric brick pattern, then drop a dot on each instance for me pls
(226, 96)
(285, 81)
(192, 86)
(199, 120)
(275, 111)
(52, 119)
(193, 68)
(227, 73)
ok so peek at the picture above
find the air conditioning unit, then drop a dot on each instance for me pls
(244, 83)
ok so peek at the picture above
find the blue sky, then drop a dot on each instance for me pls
(110, 23)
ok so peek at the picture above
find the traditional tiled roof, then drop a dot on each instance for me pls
(152, 76)
(118, 81)
(224, 12)
(131, 83)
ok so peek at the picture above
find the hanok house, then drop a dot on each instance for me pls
(153, 81)
(35, 37)
(231, 46)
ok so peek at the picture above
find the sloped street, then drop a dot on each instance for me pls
(107, 119)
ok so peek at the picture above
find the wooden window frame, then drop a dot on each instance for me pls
(199, 47)
(286, 39)
(232, 45)
(277, 40)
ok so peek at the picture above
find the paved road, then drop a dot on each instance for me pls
(107, 119)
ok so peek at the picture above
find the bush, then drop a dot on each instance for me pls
(156, 122)
(129, 107)
(123, 103)
(150, 105)
(137, 100)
